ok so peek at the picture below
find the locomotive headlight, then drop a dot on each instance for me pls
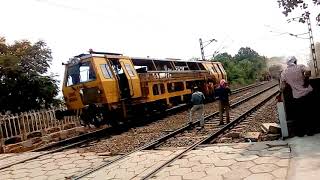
(98, 91)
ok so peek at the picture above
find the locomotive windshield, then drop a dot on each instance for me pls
(79, 73)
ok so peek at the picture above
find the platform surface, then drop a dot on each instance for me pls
(293, 159)
(255, 161)
(305, 161)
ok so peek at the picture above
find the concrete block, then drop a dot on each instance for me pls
(272, 128)
(252, 136)
(27, 143)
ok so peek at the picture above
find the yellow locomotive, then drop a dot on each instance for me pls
(109, 87)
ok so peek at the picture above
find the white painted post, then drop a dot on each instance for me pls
(282, 119)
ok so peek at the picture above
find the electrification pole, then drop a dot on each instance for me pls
(203, 46)
(306, 18)
(201, 49)
(313, 49)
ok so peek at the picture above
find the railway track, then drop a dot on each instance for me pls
(138, 136)
(245, 107)
(190, 136)
(92, 136)
(213, 133)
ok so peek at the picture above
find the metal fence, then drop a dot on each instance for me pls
(23, 124)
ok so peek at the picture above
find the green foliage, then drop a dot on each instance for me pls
(23, 85)
(290, 5)
(245, 67)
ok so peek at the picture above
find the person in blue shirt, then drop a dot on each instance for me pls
(222, 93)
(197, 100)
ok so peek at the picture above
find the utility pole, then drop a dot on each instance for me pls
(203, 46)
(306, 18)
(201, 49)
(313, 49)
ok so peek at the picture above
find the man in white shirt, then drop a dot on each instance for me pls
(295, 76)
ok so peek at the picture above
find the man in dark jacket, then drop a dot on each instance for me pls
(197, 101)
(222, 93)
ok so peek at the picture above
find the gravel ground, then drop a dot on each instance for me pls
(137, 137)
(266, 114)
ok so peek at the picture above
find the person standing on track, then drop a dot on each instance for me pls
(197, 100)
(222, 93)
(296, 76)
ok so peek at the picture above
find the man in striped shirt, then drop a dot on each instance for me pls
(295, 76)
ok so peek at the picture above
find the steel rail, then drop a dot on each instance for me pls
(167, 136)
(210, 137)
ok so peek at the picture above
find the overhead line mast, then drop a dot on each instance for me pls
(203, 46)
(306, 18)
(313, 49)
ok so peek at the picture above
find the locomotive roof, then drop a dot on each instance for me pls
(167, 59)
(116, 56)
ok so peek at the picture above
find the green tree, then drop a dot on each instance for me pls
(246, 53)
(289, 6)
(223, 57)
(245, 67)
(23, 85)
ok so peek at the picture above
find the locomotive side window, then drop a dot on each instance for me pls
(106, 71)
(155, 89)
(79, 73)
(193, 66)
(201, 66)
(181, 66)
(162, 88)
(214, 70)
(142, 66)
(176, 86)
(217, 69)
(220, 69)
(163, 65)
(129, 69)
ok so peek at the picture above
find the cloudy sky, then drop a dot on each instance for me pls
(160, 29)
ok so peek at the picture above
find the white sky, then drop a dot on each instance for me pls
(160, 29)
